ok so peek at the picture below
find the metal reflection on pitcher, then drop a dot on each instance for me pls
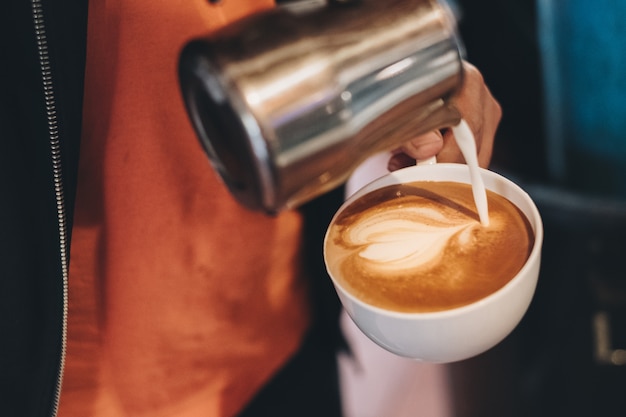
(288, 103)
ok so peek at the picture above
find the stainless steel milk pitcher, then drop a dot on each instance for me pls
(287, 103)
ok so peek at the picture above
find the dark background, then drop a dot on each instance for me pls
(552, 364)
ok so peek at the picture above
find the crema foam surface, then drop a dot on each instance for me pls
(420, 246)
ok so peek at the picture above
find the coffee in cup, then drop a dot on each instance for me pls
(420, 275)
(420, 246)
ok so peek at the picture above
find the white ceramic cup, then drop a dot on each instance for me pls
(458, 333)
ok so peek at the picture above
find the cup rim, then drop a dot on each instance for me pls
(394, 178)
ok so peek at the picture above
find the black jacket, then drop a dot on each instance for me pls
(42, 47)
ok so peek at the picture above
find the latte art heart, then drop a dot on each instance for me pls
(404, 238)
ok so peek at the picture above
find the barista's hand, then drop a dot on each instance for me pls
(482, 113)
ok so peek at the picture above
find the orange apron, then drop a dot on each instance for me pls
(182, 303)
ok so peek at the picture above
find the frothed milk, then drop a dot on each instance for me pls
(420, 247)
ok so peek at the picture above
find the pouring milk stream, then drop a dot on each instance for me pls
(465, 140)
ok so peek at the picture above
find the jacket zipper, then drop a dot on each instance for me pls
(55, 150)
